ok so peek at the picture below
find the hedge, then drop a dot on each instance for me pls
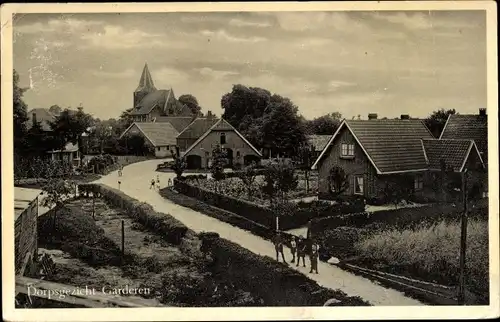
(223, 215)
(171, 229)
(248, 210)
(275, 282)
(402, 217)
(306, 211)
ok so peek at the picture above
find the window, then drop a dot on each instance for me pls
(358, 185)
(223, 138)
(237, 154)
(347, 150)
(167, 148)
(158, 148)
(419, 183)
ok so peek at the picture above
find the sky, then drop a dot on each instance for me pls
(355, 63)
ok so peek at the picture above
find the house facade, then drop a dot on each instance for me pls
(377, 153)
(238, 150)
(188, 136)
(159, 137)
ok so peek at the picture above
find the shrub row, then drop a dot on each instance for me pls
(163, 224)
(305, 211)
(403, 217)
(223, 215)
(276, 283)
(245, 209)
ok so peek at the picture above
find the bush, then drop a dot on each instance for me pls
(171, 229)
(432, 252)
(402, 217)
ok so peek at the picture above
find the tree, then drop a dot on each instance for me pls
(191, 102)
(248, 176)
(338, 181)
(19, 114)
(281, 129)
(56, 192)
(55, 109)
(125, 119)
(324, 125)
(287, 180)
(179, 164)
(218, 163)
(397, 189)
(306, 155)
(69, 126)
(436, 121)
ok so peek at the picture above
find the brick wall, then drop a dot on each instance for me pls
(25, 232)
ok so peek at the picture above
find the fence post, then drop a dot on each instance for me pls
(123, 238)
(93, 206)
(463, 241)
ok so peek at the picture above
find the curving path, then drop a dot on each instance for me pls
(136, 180)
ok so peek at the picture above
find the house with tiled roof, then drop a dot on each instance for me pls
(469, 127)
(150, 103)
(160, 137)
(317, 143)
(239, 151)
(194, 131)
(375, 152)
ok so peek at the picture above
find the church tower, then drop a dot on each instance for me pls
(145, 87)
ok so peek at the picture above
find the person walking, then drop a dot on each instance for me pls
(120, 169)
(169, 182)
(152, 186)
(293, 249)
(158, 182)
(314, 258)
(301, 251)
(278, 245)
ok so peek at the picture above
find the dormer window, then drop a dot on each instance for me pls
(223, 138)
(347, 150)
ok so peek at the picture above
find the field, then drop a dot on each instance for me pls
(429, 252)
(87, 252)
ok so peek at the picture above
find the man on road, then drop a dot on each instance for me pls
(301, 251)
(278, 245)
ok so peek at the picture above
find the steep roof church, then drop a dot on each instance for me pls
(150, 103)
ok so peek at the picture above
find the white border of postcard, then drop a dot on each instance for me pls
(279, 313)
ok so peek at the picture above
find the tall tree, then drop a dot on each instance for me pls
(324, 125)
(281, 129)
(126, 119)
(191, 102)
(436, 121)
(244, 108)
(69, 126)
(55, 109)
(20, 114)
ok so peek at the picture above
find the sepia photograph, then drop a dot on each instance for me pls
(283, 156)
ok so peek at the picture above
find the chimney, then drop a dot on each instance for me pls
(482, 112)
(405, 116)
(34, 118)
(372, 116)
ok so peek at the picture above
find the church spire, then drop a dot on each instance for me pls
(146, 83)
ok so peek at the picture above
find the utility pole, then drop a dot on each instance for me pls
(463, 240)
